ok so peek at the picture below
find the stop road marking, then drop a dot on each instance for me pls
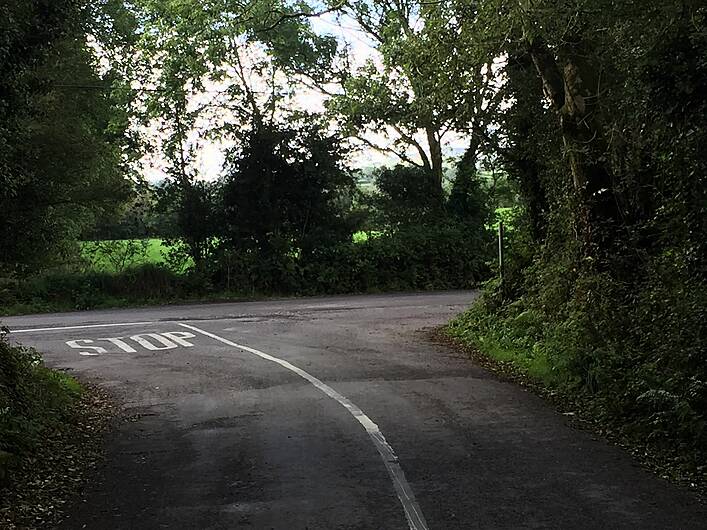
(149, 341)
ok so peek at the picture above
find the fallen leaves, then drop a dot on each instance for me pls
(43, 485)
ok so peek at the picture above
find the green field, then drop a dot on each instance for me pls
(119, 254)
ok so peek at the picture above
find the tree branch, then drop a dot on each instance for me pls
(299, 14)
(414, 143)
(388, 150)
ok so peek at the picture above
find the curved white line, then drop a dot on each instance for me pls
(413, 513)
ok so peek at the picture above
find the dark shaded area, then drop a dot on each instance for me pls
(605, 292)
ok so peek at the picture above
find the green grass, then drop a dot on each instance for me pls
(528, 362)
(362, 236)
(116, 255)
(511, 342)
(156, 251)
(64, 380)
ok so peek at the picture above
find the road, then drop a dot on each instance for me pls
(333, 412)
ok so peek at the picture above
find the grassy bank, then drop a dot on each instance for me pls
(35, 402)
(51, 433)
(610, 382)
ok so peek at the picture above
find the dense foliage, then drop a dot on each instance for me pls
(33, 402)
(287, 192)
(605, 294)
(62, 143)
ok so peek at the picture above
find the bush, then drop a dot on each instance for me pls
(412, 258)
(633, 353)
(405, 196)
(71, 290)
(418, 257)
(34, 401)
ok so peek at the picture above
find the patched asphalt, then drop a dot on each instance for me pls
(224, 438)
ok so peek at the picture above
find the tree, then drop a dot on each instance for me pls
(602, 129)
(403, 197)
(425, 87)
(530, 141)
(468, 203)
(573, 51)
(286, 191)
(65, 147)
(219, 71)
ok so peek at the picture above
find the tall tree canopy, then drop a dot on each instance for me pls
(64, 139)
(423, 84)
(218, 70)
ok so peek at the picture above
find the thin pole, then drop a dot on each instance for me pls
(500, 250)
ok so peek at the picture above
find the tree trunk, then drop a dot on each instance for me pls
(571, 84)
(435, 158)
(525, 87)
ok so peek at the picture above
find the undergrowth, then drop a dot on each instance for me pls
(632, 354)
(414, 258)
(35, 403)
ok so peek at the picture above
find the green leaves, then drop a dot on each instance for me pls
(65, 147)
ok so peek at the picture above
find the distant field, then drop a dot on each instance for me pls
(119, 254)
(115, 255)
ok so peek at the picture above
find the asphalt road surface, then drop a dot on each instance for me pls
(332, 412)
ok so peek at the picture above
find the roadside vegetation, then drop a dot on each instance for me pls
(603, 297)
(34, 402)
(50, 433)
(387, 240)
(583, 126)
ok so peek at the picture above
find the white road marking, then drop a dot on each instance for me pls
(413, 513)
(166, 344)
(87, 326)
(76, 344)
(159, 341)
(179, 337)
(118, 341)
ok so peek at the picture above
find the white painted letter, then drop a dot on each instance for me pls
(75, 344)
(118, 341)
(142, 341)
(179, 336)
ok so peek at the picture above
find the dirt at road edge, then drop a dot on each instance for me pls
(46, 484)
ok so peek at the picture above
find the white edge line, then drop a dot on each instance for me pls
(87, 326)
(413, 513)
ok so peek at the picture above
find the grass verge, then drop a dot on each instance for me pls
(529, 367)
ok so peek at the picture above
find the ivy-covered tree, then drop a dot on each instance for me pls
(606, 278)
